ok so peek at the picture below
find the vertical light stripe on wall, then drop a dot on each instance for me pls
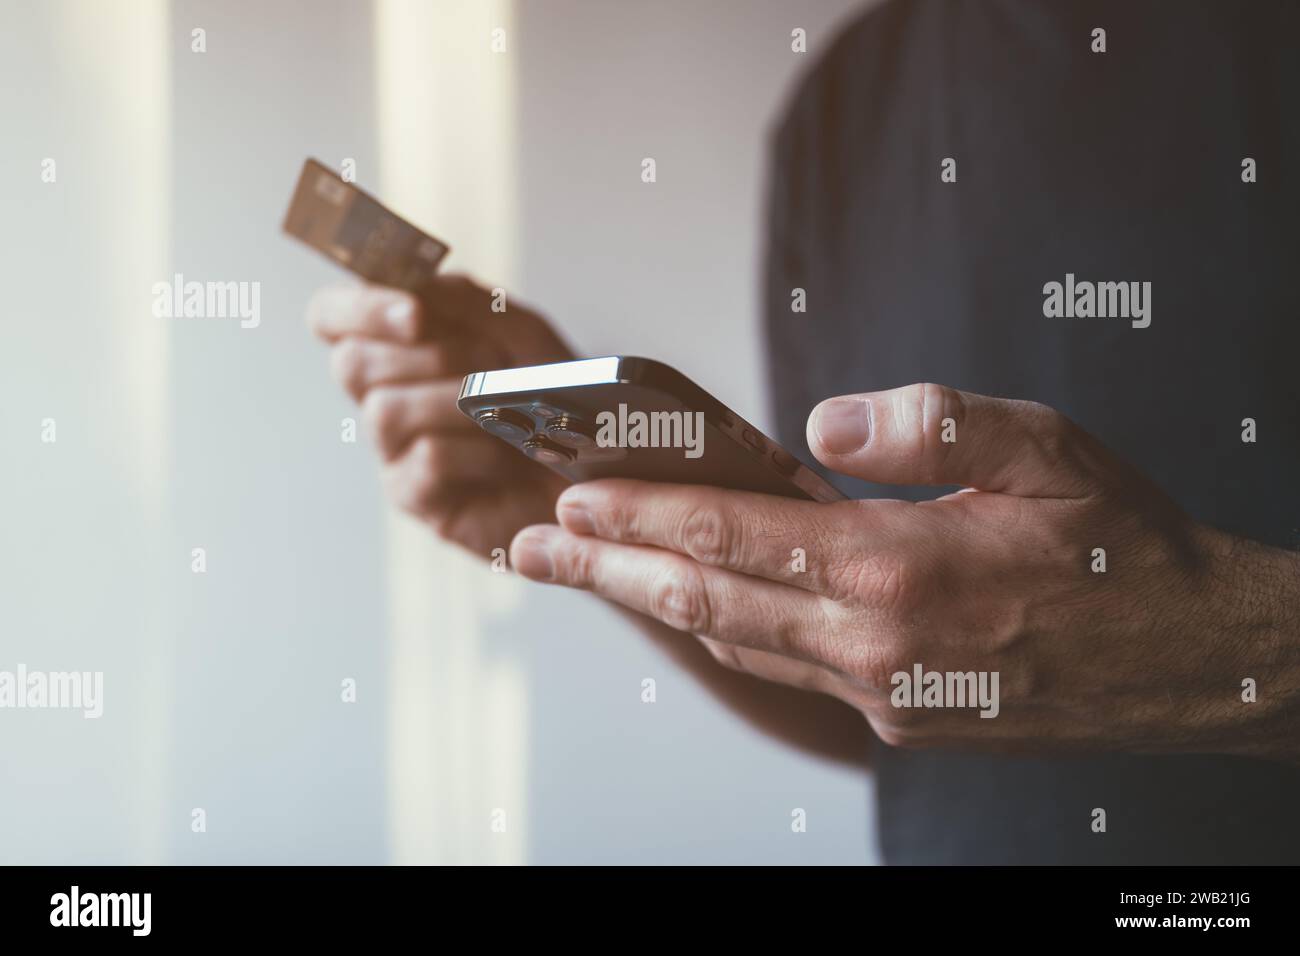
(457, 734)
(122, 52)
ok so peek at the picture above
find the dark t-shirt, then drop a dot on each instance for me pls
(1125, 165)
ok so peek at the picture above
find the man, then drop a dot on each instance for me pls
(1088, 206)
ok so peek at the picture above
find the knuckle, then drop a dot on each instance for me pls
(869, 656)
(416, 495)
(576, 565)
(1052, 431)
(708, 536)
(348, 360)
(874, 665)
(371, 314)
(890, 586)
(382, 409)
(430, 457)
(842, 581)
(619, 520)
(680, 599)
(902, 726)
(931, 405)
(425, 477)
(893, 734)
(885, 582)
(724, 654)
(907, 410)
(415, 487)
(319, 306)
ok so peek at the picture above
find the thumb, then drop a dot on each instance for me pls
(935, 435)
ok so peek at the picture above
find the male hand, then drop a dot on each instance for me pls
(1148, 655)
(403, 359)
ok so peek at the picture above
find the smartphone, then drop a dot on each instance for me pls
(612, 417)
(627, 417)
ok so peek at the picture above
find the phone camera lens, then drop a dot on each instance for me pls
(505, 423)
(547, 452)
(571, 432)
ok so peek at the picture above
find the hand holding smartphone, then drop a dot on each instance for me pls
(606, 417)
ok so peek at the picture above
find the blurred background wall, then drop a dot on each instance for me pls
(476, 692)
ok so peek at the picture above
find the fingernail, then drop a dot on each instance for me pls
(843, 425)
(533, 557)
(576, 518)
(400, 316)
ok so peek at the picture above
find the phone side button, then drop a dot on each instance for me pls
(752, 440)
(785, 462)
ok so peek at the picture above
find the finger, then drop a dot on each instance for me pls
(360, 364)
(934, 435)
(690, 597)
(435, 469)
(774, 667)
(805, 544)
(373, 311)
(457, 304)
(395, 414)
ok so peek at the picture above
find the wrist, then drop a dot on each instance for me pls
(1255, 618)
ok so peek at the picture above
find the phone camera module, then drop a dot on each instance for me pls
(505, 423)
(571, 432)
(548, 452)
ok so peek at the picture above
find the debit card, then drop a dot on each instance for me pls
(355, 230)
